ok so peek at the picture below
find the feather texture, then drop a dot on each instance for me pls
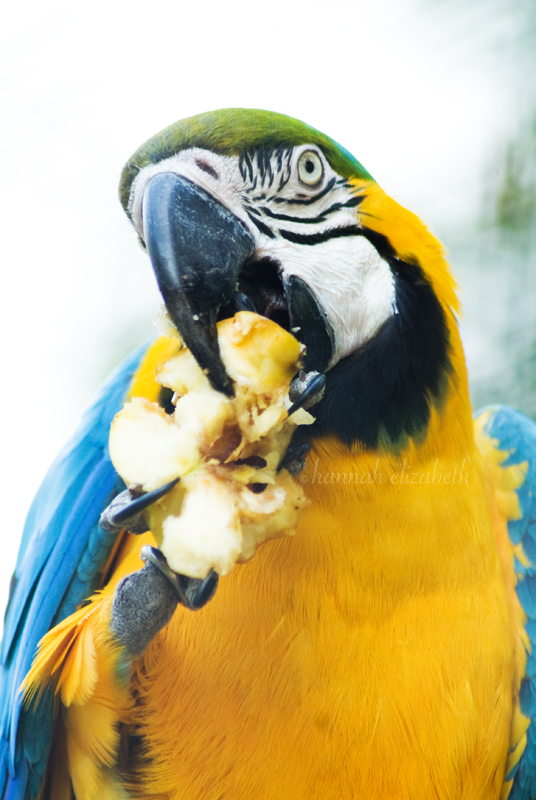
(508, 442)
(62, 528)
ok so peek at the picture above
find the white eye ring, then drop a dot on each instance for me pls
(310, 168)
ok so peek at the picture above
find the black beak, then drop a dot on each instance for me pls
(197, 248)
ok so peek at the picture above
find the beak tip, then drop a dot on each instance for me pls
(221, 382)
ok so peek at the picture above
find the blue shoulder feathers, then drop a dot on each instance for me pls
(62, 554)
(516, 434)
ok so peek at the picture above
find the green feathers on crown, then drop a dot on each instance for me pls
(228, 132)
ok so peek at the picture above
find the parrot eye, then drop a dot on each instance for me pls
(310, 168)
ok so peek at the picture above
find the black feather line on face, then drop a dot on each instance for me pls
(382, 395)
(260, 225)
(351, 203)
(310, 200)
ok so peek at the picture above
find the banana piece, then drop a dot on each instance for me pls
(226, 451)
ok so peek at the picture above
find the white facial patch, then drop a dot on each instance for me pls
(350, 280)
(352, 283)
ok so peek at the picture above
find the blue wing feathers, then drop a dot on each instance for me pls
(42, 542)
(516, 434)
(15, 787)
(88, 570)
(62, 553)
(63, 560)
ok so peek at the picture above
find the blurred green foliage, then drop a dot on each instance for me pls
(515, 205)
(496, 261)
(494, 256)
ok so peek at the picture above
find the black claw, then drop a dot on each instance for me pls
(314, 386)
(125, 510)
(204, 592)
(136, 524)
(300, 451)
(193, 593)
(294, 460)
(139, 504)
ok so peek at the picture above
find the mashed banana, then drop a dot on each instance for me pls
(230, 498)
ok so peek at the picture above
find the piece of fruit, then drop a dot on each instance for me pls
(226, 451)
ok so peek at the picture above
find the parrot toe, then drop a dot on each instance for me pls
(145, 601)
(294, 460)
(125, 510)
(143, 604)
(306, 390)
(194, 593)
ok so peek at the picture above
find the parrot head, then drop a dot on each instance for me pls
(244, 209)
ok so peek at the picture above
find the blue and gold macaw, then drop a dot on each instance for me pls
(384, 651)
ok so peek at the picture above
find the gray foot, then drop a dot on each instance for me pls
(143, 604)
(145, 601)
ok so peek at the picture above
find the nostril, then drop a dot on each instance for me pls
(207, 168)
